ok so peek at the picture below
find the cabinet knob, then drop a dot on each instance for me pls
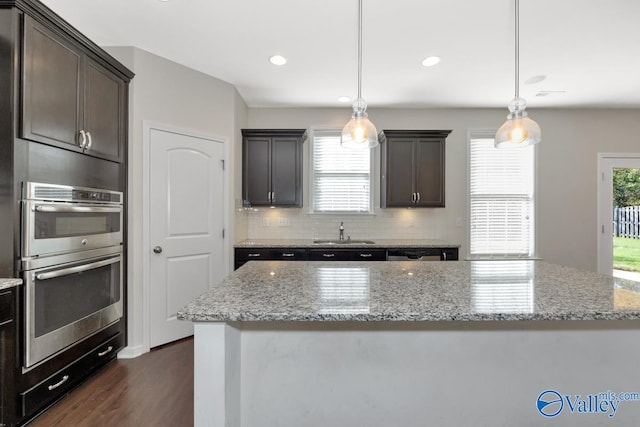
(157, 249)
(328, 255)
(366, 255)
(89, 140)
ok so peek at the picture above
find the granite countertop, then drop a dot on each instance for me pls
(415, 291)
(9, 283)
(378, 243)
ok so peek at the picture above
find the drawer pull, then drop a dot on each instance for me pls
(59, 383)
(366, 255)
(328, 255)
(254, 255)
(107, 351)
(288, 255)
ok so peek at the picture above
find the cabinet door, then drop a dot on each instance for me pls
(286, 171)
(104, 107)
(399, 173)
(429, 167)
(8, 387)
(256, 179)
(51, 108)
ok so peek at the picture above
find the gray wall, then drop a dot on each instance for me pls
(567, 163)
(165, 92)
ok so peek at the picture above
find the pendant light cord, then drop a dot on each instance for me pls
(517, 48)
(359, 49)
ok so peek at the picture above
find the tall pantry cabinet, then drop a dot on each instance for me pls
(63, 120)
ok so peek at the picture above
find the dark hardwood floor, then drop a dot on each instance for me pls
(155, 389)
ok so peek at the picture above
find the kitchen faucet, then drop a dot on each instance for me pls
(341, 228)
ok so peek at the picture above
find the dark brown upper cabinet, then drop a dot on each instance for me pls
(272, 167)
(412, 168)
(69, 100)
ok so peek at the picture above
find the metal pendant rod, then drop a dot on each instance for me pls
(517, 48)
(359, 48)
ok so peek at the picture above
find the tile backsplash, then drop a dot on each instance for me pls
(280, 223)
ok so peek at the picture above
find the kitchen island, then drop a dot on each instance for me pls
(403, 343)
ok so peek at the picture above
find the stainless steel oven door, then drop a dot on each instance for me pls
(59, 227)
(69, 301)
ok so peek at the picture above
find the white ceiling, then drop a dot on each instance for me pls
(588, 48)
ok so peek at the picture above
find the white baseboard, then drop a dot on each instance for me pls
(131, 352)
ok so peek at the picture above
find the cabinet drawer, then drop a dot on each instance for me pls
(347, 255)
(252, 254)
(6, 306)
(287, 254)
(61, 382)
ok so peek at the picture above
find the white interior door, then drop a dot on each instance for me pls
(186, 222)
(606, 164)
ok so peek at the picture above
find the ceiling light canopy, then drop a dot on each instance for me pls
(359, 132)
(278, 60)
(519, 130)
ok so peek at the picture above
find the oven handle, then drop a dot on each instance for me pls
(48, 208)
(77, 269)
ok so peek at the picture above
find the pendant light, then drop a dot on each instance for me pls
(519, 130)
(359, 132)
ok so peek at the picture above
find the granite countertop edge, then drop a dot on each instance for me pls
(9, 283)
(405, 317)
(378, 243)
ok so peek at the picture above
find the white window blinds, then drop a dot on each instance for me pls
(501, 198)
(341, 179)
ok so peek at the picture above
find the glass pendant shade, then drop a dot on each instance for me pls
(359, 132)
(519, 130)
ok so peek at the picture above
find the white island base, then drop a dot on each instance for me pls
(391, 374)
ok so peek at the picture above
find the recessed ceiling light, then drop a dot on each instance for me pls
(431, 61)
(535, 79)
(278, 60)
(344, 99)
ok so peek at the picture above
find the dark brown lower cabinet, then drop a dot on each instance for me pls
(57, 385)
(355, 254)
(243, 255)
(7, 356)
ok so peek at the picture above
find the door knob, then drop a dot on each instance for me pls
(157, 249)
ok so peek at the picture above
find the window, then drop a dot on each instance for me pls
(501, 200)
(341, 177)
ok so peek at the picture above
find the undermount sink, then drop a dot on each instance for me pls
(344, 242)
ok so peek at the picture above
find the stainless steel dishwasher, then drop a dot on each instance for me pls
(435, 254)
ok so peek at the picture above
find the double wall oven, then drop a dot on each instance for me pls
(72, 265)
